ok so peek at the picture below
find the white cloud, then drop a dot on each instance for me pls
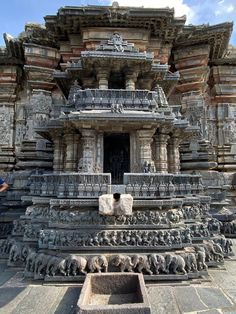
(230, 8)
(179, 6)
(224, 9)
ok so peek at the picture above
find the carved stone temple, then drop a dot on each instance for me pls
(118, 141)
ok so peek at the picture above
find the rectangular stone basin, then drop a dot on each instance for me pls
(118, 293)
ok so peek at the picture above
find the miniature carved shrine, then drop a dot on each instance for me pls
(118, 141)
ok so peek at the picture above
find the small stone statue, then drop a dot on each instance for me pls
(117, 41)
(117, 108)
(149, 167)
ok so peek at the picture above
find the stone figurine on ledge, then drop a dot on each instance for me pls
(115, 204)
(149, 167)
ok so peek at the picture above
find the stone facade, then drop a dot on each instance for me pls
(89, 106)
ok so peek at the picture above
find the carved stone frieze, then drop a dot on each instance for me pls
(19, 227)
(117, 238)
(41, 265)
(6, 125)
(85, 218)
(32, 231)
(5, 229)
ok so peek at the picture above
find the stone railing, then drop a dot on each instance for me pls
(89, 99)
(158, 185)
(139, 185)
(70, 185)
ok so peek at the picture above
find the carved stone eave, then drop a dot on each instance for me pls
(181, 124)
(217, 36)
(223, 61)
(13, 53)
(14, 47)
(63, 81)
(134, 56)
(124, 121)
(191, 132)
(53, 127)
(37, 34)
(161, 22)
(169, 82)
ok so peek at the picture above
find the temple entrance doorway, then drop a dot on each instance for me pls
(116, 155)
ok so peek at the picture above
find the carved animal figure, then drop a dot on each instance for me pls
(98, 263)
(76, 264)
(201, 259)
(141, 262)
(15, 253)
(123, 261)
(173, 216)
(190, 262)
(41, 264)
(175, 263)
(159, 263)
(25, 252)
(56, 265)
(213, 251)
(30, 261)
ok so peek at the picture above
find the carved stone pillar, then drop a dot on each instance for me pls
(87, 163)
(173, 155)
(100, 153)
(102, 77)
(145, 151)
(71, 141)
(58, 153)
(161, 160)
(130, 81)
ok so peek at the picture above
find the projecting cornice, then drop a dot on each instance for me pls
(160, 22)
(216, 36)
(13, 53)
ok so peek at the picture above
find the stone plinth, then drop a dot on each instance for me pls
(113, 293)
(115, 204)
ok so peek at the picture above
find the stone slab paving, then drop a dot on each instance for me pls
(217, 295)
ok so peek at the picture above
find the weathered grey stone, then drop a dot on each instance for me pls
(210, 312)
(162, 300)
(115, 204)
(213, 297)
(40, 300)
(188, 299)
(114, 293)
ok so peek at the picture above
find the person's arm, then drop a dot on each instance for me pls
(3, 187)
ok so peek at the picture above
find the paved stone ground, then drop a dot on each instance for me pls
(216, 294)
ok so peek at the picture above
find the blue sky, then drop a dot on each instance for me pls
(14, 14)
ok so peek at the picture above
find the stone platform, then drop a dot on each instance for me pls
(215, 294)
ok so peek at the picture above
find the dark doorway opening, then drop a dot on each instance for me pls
(116, 81)
(116, 155)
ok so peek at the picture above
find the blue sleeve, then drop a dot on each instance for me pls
(1, 181)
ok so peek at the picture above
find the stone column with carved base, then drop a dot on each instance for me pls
(131, 78)
(145, 152)
(173, 154)
(102, 77)
(71, 158)
(58, 153)
(87, 162)
(161, 160)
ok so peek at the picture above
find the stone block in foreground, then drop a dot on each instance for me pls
(114, 293)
